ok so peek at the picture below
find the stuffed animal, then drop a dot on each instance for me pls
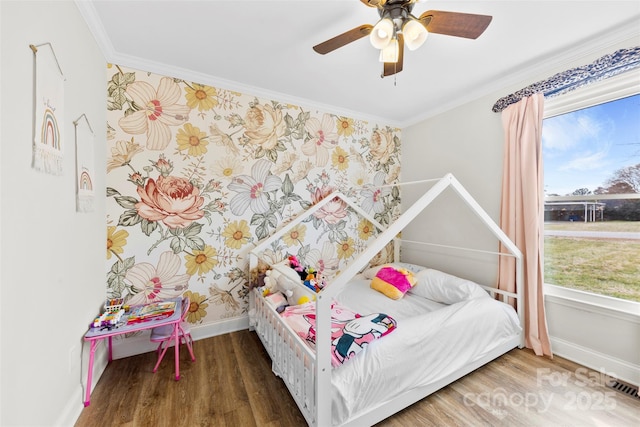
(290, 287)
(297, 266)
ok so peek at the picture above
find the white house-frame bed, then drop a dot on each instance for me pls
(308, 373)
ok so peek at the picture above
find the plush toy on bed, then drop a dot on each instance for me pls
(278, 283)
(393, 282)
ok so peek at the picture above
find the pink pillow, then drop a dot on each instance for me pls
(393, 282)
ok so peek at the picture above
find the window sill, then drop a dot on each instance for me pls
(629, 310)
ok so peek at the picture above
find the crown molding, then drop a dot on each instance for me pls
(571, 54)
(536, 67)
(90, 15)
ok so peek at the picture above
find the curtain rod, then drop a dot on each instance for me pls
(604, 67)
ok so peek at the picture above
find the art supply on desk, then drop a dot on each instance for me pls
(108, 319)
(153, 311)
(113, 305)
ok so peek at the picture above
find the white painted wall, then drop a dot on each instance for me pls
(468, 142)
(52, 278)
(53, 258)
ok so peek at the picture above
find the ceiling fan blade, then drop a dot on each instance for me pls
(374, 3)
(391, 68)
(457, 24)
(343, 39)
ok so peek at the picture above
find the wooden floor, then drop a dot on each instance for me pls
(231, 384)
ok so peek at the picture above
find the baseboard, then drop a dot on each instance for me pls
(130, 347)
(590, 358)
(75, 404)
(140, 343)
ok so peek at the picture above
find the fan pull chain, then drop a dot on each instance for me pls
(395, 74)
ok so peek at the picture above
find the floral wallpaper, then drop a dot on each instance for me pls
(198, 175)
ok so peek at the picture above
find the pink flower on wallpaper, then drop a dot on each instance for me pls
(323, 259)
(264, 125)
(372, 195)
(333, 211)
(252, 190)
(323, 136)
(173, 200)
(158, 111)
(157, 283)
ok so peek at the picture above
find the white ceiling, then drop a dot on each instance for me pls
(264, 48)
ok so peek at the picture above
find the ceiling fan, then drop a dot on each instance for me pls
(397, 27)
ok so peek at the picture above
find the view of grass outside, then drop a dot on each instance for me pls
(591, 160)
(603, 266)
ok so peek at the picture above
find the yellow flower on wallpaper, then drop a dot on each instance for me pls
(340, 159)
(197, 306)
(295, 236)
(116, 240)
(201, 97)
(191, 139)
(346, 249)
(227, 167)
(201, 262)
(122, 154)
(365, 229)
(345, 126)
(156, 111)
(198, 174)
(236, 234)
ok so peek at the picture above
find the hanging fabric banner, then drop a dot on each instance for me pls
(48, 112)
(84, 165)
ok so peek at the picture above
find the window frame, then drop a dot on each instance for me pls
(607, 90)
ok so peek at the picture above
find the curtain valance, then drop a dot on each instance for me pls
(604, 67)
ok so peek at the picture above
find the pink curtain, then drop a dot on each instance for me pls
(521, 213)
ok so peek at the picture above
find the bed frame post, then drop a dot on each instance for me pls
(321, 385)
(323, 361)
(506, 241)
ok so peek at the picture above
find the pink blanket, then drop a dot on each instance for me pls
(350, 332)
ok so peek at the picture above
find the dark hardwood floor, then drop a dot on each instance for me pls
(231, 385)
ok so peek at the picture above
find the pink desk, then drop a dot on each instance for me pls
(95, 335)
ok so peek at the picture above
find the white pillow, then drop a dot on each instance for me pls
(371, 272)
(445, 288)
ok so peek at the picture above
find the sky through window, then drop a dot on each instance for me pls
(584, 148)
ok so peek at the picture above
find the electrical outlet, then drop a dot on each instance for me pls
(73, 357)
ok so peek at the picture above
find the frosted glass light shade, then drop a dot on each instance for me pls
(390, 53)
(382, 33)
(414, 34)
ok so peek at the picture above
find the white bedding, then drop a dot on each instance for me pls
(431, 341)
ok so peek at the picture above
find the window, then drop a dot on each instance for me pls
(591, 155)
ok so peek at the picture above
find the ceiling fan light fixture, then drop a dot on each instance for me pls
(414, 33)
(391, 52)
(382, 33)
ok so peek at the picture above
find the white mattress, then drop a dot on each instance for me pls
(432, 340)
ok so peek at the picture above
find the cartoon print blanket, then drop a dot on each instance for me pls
(350, 331)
